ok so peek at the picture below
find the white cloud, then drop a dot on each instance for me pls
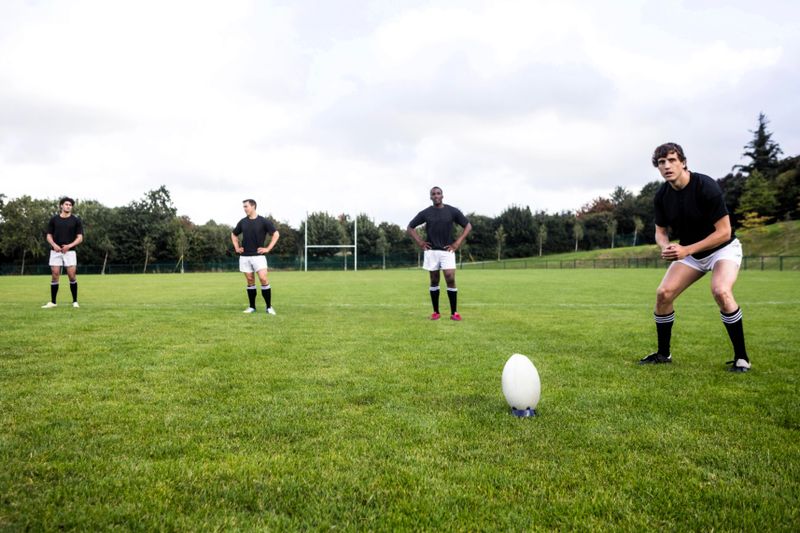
(361, 106)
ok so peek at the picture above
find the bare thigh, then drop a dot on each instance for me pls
(722, 279)
(677, 279)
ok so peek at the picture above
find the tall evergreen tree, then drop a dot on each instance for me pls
(762, 150)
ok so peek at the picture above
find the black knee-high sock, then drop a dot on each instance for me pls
(435, 299)
(733, 323)
(73, 287)
(251, 295)
(452, 295)
(266, 292)
(664, 331)
(53, 291)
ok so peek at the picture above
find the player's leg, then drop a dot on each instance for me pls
(56, 262)
(71, 266)
(250, 278)
(449, 268)
(723, 277)
(431, 264)
(452, 292)
(676, 280)
(434, 290)
(72, 274)
(55, 275)
(266, 290)
(246, 268)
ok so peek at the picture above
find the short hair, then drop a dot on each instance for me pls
(250, 201)
(66, 199)
(667, 148)
(436, 187)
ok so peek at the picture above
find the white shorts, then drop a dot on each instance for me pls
(69, 259)
(252, 263)
(439, 260)
(732, 252)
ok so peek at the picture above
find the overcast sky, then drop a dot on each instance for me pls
(361, 106)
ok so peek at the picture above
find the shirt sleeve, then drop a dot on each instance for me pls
(238, 229)
(658, 210)
(714, 200)
(417, 220)
(269, 226)
(78, 226)
(459, 217)
(51, 226)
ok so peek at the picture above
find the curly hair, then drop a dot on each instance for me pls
(666, 149)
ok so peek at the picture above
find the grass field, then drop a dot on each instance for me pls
(159, 405)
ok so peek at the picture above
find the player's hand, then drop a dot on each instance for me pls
(263, 250)
(674, 252)
(451, 248)
(239, 249)
(424, 245)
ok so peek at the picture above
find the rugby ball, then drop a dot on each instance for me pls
(521, 385)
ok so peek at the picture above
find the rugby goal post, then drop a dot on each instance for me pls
(354, 246)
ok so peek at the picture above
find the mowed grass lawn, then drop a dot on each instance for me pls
(159, 405)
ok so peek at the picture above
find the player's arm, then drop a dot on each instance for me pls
(275, 236)
(236, 245)
(721, 234)
(456, 245)
(73, 244)
(662, 237)
(412, 232)
(52, 243)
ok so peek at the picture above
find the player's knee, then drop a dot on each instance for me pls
(722, 293)
(665, 295)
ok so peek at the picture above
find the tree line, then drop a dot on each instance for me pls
(149, 229)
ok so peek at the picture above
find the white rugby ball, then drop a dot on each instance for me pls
(521, 385)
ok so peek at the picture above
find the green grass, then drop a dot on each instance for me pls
(159, 405)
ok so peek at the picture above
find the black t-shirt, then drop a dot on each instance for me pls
(691, 212)
(253, 231)
(64, 230)
(439, 224)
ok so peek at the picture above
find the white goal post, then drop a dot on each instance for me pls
(354, 246)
